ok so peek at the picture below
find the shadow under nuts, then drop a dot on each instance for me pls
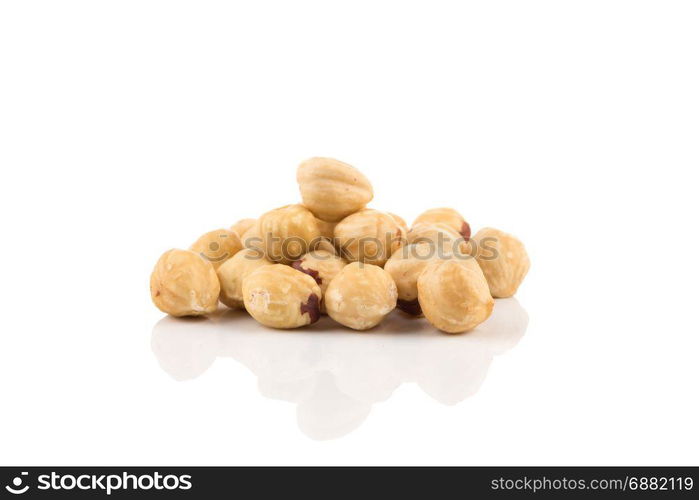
(232, 273)
(454, 295)
(184, 284)
(331, 189)
(361, 296)
(279, 296)
(287, 233)
(503, 259)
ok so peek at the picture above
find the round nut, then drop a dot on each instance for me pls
(217, 246)
(232, 273)
(242, 225)
(503, 259)
(405, 267)
(281, 297)
(453, 295)
(401, 223)
(447, 216)
(331, 189)
(368, 236)
(322, 266)
(287, 233)
(361, 296)
(251, 238)
(184, 284)
(440, 234)
(327, 235)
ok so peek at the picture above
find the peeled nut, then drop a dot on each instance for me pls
(440, 234)
(361, 296)
(368, 236)
(279, 296)
(322, 266)
(232, 273)
(327, 231)
(447, 216)
(184, 284)
(454, 294)
(406, 265)
(217, 246)
(242, 225)
(503, 259)
(287, 233)
(401, 223)
(331, 189)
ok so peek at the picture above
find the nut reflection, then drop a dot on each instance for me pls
(335, 375)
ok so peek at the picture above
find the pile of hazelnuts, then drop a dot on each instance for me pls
(332, 255)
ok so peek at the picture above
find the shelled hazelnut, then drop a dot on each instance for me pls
(361, 296)
(279, 296)
(183, 283)
(217, 246)
(368, 236)
(503, 259)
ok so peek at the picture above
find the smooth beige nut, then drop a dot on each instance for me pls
(368, 236)
(327, 235)
(405, 266)
(331, 189)
(440, 234)
(279, 296)
(447, 216)
(242, 225)
(454, 295)
(184, 284)
(401, 223)
(232, 273)
(361, 296)
(217, 246)
(503, 259)
(287, 233)
(322, 266)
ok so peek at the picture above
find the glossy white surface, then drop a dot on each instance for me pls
(127, 128)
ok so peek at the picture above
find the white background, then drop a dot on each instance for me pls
(127, 128)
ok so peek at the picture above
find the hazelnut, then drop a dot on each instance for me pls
(322, 266)
(406, 265)
(242, 225)
(331, 189)
(447, 216)
(217, 246)
(287, 233)
(368, 236)
(454, 295)
(184, 284)
(279, 296)
(440, 234)
(327, 238)
(232, 273)
(401, 223)
(503, 259)
(361, 296)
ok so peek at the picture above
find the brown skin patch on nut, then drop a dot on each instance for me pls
(410, 306)
(311, 272)
(465, 231)
(312, 307)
